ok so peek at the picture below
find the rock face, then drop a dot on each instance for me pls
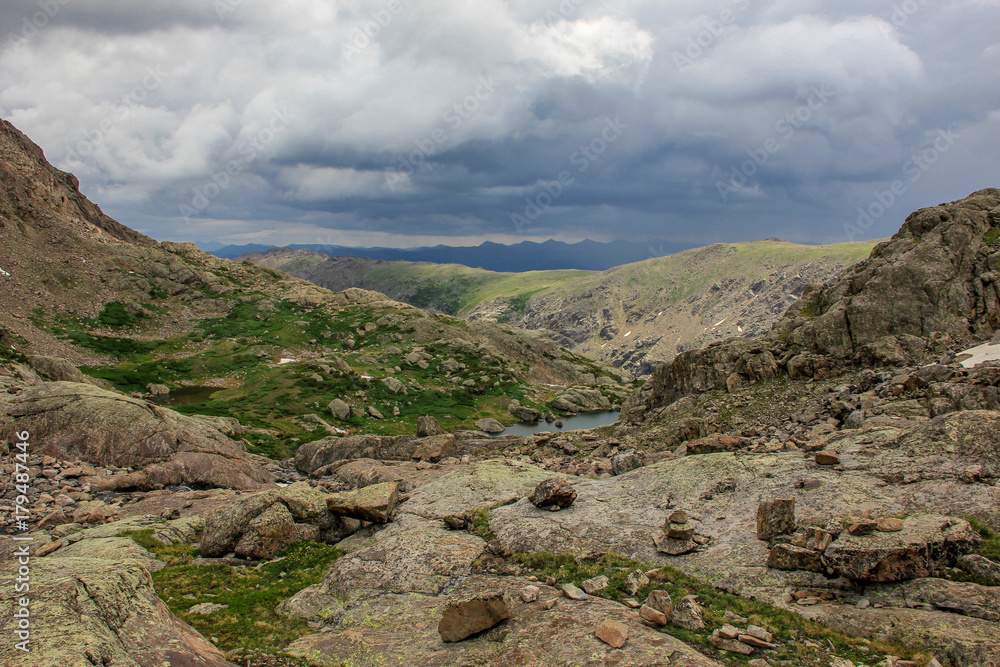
(553, 494)
(260, 525)
(100, 612)
(926, 542)
(880, 311)
(77, 421)
(464, 618)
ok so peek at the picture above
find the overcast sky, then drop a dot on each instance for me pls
(416, 122)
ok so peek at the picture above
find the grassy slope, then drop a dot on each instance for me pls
(692, 272)
(468, 288)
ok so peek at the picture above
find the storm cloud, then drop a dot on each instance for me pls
(415, 122)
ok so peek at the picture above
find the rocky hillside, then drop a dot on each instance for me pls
(929, 289)
(824, 495)
(632, 316)
(277, 351)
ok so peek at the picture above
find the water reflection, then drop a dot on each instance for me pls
(586, 420)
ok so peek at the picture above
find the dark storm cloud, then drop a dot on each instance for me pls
(407, 122)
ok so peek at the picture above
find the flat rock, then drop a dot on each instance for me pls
(653, 616)
(372, 503)
(967, 641)
(730, 645)
(789, 557)
(434, 448)
(596, 586)
(827, 458)
(671, 547)
(534, 636)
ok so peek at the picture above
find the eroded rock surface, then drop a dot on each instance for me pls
(99, 611)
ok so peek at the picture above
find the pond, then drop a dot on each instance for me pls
(585, 420)
(185, 396)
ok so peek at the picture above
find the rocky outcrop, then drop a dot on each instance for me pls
(912, 293)
(76, 421)
(79, 421)
(926, 543)
(260, 525)
(95, 611)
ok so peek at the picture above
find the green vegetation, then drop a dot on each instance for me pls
(801, 642)
(992, 237)
(250, 623)
(116, 315)
(988, 548)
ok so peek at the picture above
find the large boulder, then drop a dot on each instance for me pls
(428, 425)
(464, 618)
(553, 494)
(58, 370)
(775, 516)
(372, 503)
(927, 542)
(261, 524)
(90, 611)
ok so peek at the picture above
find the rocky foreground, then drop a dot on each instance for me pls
(462, 549)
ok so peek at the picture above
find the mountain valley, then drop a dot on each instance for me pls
(807, 474)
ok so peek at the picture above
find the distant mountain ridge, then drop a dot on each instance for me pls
(586, 255)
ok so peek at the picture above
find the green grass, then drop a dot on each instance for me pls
(116, 315)
(252, 593)
(791, 631)
(988, 548)
(992, 237)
